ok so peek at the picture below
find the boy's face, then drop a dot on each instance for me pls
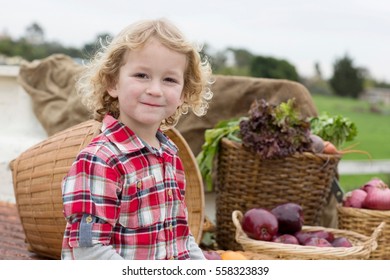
(150, 85)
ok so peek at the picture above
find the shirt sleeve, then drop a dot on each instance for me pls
(96, 252)
(195, 252)
(90, 199)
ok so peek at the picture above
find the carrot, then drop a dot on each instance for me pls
(329, 148)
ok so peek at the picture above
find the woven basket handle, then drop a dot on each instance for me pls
(372, 241)
(237, 218)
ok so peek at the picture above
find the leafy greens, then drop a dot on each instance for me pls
(275, 131)
(335, 129)
(227, 128)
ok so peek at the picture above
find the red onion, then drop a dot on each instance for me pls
(318, 242)
(286, 239)
(354, 198)
(378, 196)
(375, 182)
(341, 242)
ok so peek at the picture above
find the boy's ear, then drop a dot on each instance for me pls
(112, 91)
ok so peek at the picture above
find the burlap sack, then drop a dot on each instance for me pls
(50, 83)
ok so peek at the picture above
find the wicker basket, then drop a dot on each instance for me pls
(37, 177)
(362, 245)
(244, 181)
(364, 221)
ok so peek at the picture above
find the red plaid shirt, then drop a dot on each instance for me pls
(124, 193)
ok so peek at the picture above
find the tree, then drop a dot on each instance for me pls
(317, 84)
(35, 34)
(242, 57)
(317, 70)
(347, 80)
(269, 67)
(7, 46)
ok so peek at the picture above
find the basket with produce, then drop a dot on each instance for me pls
(271, 157)
(279, 233)
(363, 209)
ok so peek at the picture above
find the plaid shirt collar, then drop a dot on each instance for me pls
(126, 140)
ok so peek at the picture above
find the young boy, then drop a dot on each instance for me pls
(124, 195)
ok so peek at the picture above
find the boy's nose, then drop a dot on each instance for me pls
(154, 88)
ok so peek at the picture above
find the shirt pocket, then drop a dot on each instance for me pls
(181, 207)
(141, 204)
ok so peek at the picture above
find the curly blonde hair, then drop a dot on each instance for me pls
(102, 71)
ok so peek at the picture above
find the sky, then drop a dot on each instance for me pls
(303, 32)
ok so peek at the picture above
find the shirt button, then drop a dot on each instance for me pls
(170, 193)
(170, 227)
(171, 258)
(139, 184)
(88, 219)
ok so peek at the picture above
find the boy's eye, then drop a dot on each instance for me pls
(141, 75)
(171, 80)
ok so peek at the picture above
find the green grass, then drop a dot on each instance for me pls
(373, 133)
(351, 182)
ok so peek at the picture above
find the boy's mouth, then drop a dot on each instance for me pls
(151, 104)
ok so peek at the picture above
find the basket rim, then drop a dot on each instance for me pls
(367, 244)
(238, 146)
(193, 171)
(362, 212)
